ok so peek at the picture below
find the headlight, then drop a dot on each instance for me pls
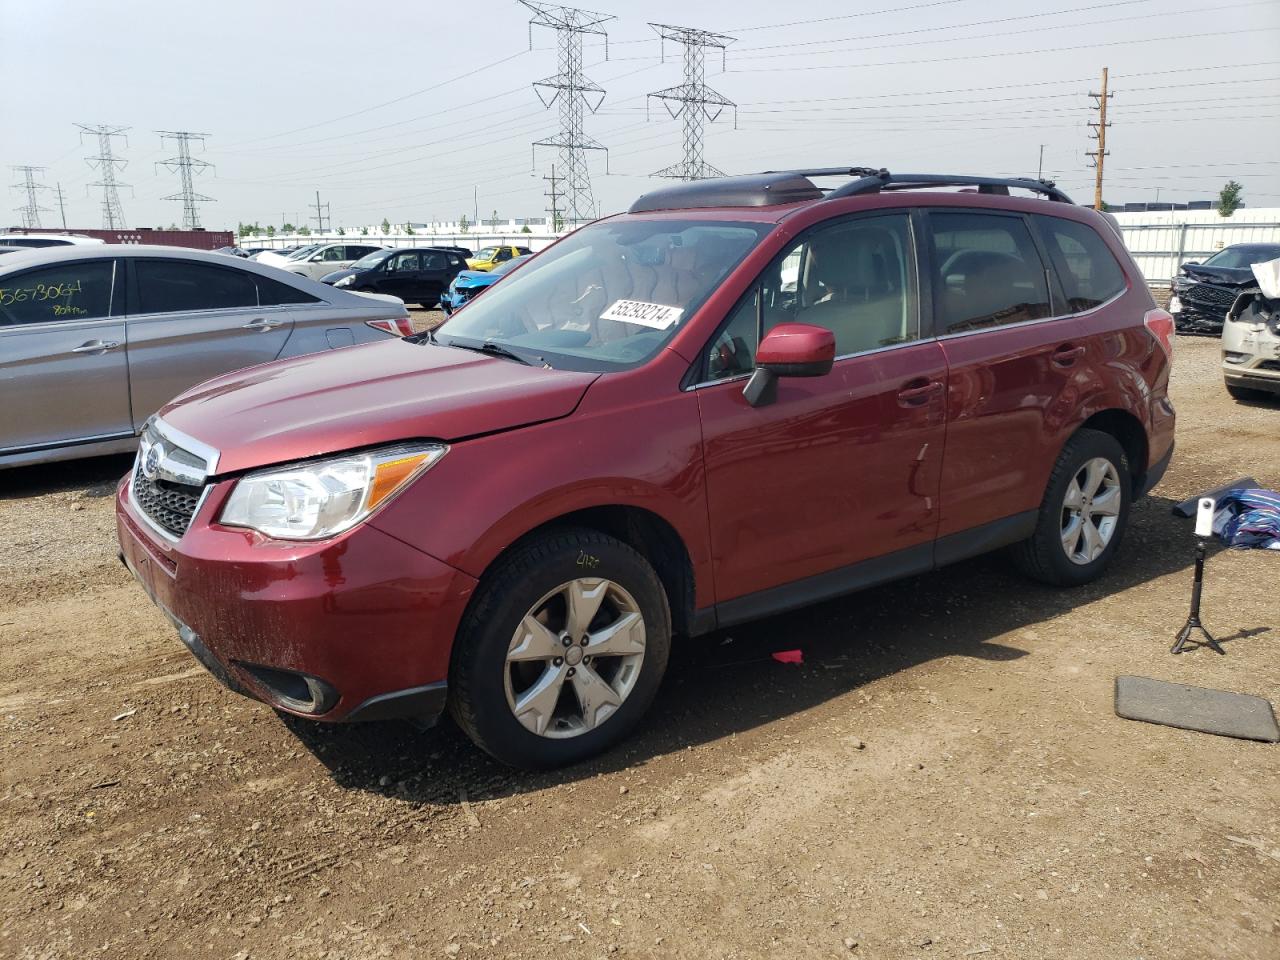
(315, 500)
(346, 281)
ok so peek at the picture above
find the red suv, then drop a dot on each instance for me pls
(741, 396)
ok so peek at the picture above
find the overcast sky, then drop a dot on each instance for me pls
(401, 110)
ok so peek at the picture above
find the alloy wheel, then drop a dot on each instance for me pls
(574, 658)
(1090, 510)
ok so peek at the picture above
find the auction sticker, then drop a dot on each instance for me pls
(656, 315)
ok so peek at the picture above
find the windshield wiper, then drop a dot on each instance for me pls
(490, 347)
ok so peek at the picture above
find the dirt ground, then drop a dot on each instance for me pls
(942, 777)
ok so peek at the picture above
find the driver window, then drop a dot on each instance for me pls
(856, 278)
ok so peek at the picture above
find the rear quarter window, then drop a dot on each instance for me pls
(1087, 269)
(272, 293)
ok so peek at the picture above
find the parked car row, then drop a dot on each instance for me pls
(469, 284)
(741, 396)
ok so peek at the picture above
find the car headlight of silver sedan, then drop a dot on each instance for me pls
(312, 501)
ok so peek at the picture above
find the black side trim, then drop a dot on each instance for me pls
(824, 586)
(1155, 473)
(985, 538)
(424, 704)
(59, 444)
(704, 621)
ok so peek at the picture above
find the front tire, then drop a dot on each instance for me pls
(561, 651)
(1083, 515)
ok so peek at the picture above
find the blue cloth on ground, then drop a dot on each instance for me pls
(1248, 518)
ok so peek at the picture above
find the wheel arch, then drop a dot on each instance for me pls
(646, 532)
(1129, 433)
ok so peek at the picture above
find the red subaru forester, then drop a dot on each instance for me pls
(741, 396)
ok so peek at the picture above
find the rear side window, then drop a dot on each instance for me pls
(432, 261)
(69, 291)
(987, 272)
(1089, 273)
(272, 293)
(167, 286)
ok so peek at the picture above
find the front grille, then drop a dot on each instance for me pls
(1206, 296)
(169, 505)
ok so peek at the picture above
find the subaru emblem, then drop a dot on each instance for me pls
(151, 461)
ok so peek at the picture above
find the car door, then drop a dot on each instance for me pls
(434, 276)
(400, 275)
(1014, 364)
(190, 320)
(63, 373)
(834, 484)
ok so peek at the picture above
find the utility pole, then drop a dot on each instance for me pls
(322, 214)
(185, 166)
(106, 163)
(30, 210)
(62, 209)
(574, 92)
(693, 99)
(554, 195)
(1040, 168)
(1100, 134)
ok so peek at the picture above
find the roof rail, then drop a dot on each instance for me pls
(876, 181)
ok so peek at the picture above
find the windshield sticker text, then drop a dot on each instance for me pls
(656, 315)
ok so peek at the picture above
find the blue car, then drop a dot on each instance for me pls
(469, 284)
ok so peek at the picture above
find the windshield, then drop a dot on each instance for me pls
(1241, 258)
(608, 296)
(303, 251)
(371, 260)
(488, 253)
(508, 266)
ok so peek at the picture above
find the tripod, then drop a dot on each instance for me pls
(1193, 618)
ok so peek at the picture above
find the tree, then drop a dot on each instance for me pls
(364, 231)
(342, 232)
(525, 229)
(304, 231)
(288, 228)
(271, 231)
(408, 230)
(1229, 199)
(386, 226)
(464, 224)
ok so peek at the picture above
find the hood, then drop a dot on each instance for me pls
(358, 396)
(476, 278)
(1228, 275)
(332, 278)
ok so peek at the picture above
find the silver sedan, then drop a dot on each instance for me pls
(93, 340)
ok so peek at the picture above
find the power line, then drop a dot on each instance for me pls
(698, 103)
(30, 210)
(106, 163)
(185, 167)
(574, 91)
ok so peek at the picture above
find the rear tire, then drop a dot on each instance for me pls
(1090, 487)
(538, 685)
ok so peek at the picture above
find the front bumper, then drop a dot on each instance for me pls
(1257, 349)
(356, 628)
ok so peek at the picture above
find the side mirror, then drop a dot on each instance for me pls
(1192, 263)
(789, 350)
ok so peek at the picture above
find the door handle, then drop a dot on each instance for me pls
(96, 346)
(261, 324)
(920, 394)
(1067, 354)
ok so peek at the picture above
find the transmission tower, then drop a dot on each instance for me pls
(693, 100)
(106, 162)
(554, 194)
(185, 167)
(322, 214)
(30, 210)
(575, 92)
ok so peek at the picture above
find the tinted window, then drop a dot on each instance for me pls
(1088, 271)
(71, 291)
(355, 253)
(433, 261)
(403, 262)
(272, 293)
(165, 286)
(987, 272)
